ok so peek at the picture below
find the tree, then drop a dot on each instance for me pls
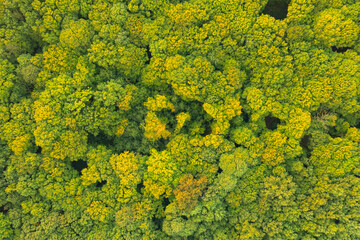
(154, 128)
(7, 80)
(161, 173)
(130, 59)
(77, 35)
(188, 191)
(27, 70)
(236, 163)
(332, 28)
(6, 230)
(337, 158)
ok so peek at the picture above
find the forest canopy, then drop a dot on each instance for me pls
(180, 119)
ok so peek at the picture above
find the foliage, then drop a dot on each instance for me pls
(196, 119)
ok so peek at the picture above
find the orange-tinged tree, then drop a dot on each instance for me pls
(188, 191)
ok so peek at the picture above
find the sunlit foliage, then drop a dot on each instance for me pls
(180, 119)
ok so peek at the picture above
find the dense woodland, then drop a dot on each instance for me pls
(175, 119)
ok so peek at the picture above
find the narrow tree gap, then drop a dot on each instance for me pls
(340, 49)
(245, 116)
(305, 141)
(139, 187)
(148, 52)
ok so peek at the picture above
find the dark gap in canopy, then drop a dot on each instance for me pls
(277, 8)
(271, 122)
(245, 116)
(100, 139)
(305, 141)
(340, 49)
(158, 222)
(165, 202)
(100, 184)
(38, 150)
(139, 187)
(148, 52)
(207, 130)
(79, 165)
(3, 210)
